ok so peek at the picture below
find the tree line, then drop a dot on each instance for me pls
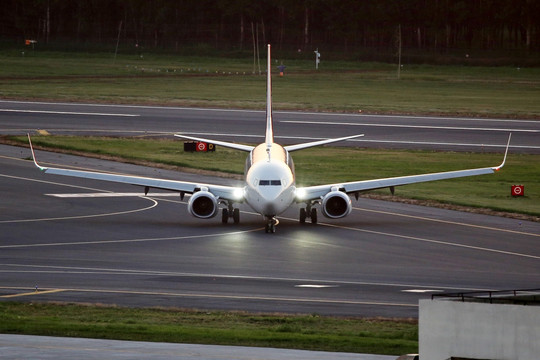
(337, 25)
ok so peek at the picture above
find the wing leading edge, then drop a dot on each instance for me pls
(220, 191)
(318, 191)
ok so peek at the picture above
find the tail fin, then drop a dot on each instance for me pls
(269, 139)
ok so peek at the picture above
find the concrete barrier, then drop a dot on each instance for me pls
(470, 330)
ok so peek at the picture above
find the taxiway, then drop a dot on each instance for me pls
(62, 239)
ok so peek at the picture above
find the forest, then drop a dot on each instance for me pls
(344, 26)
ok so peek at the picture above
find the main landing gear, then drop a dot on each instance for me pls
(271, 223)
(230, 212)
(308, 212)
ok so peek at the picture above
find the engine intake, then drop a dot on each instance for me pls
(336, 204)
(203, 205)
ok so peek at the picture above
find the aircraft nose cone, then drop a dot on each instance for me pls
(276, 203)
(269, 206)
(271, 193)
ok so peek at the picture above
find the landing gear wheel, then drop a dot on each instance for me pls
(314, 216)
(236, 215)
(224, 216)
(271, 226)
(303, 215)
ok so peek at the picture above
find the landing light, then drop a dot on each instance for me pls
(238, 193)
(300, 193)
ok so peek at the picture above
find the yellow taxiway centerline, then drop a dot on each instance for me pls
(37, 292)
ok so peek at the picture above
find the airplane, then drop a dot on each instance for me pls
(269, 186)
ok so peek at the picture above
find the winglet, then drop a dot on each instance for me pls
(34, 155)
(497, 168)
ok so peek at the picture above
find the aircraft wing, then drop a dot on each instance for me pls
(316, 192)
(220, 191)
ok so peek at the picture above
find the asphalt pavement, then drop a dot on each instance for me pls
(381, 131)
(65, 238)
(90, 241)
(56, 348)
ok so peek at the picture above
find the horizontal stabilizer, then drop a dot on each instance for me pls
(319, 142)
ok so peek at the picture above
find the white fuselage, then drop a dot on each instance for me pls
(270, 185)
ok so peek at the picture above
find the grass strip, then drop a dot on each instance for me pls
(308, 332)
(332, 164)
(225, 82)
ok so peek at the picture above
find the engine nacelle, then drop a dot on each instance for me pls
(203, 205)
(336, 204)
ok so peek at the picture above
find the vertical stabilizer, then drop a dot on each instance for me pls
(269, 139)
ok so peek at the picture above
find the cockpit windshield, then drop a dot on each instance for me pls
(270, 183)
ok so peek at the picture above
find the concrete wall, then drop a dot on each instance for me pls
(478, 331)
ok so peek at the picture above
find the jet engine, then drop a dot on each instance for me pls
(336, 204)
(203, 205)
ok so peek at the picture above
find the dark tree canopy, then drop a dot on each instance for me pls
(340, 25)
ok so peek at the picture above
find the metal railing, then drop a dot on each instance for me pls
(517, 297)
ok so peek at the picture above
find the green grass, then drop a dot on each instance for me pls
(329, 165)
(309, 332)
(228, 82)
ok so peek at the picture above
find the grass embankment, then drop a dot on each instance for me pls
(309, 332)
(225, 82)
(330, 165)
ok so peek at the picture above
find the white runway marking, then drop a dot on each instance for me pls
(409, 126)
(221, 234)
(405, 117)
(433, 241)
(66, 113)
(393, 142)
(112, 194)
(134, 106)
(154, 204)
(447, 222)
(48, 182)
(503, 146)
(110, 271)
(296, 113)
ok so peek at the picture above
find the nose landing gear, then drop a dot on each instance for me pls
(271, 223)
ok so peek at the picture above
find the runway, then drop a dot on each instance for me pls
(381, 131)
(112, 247)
